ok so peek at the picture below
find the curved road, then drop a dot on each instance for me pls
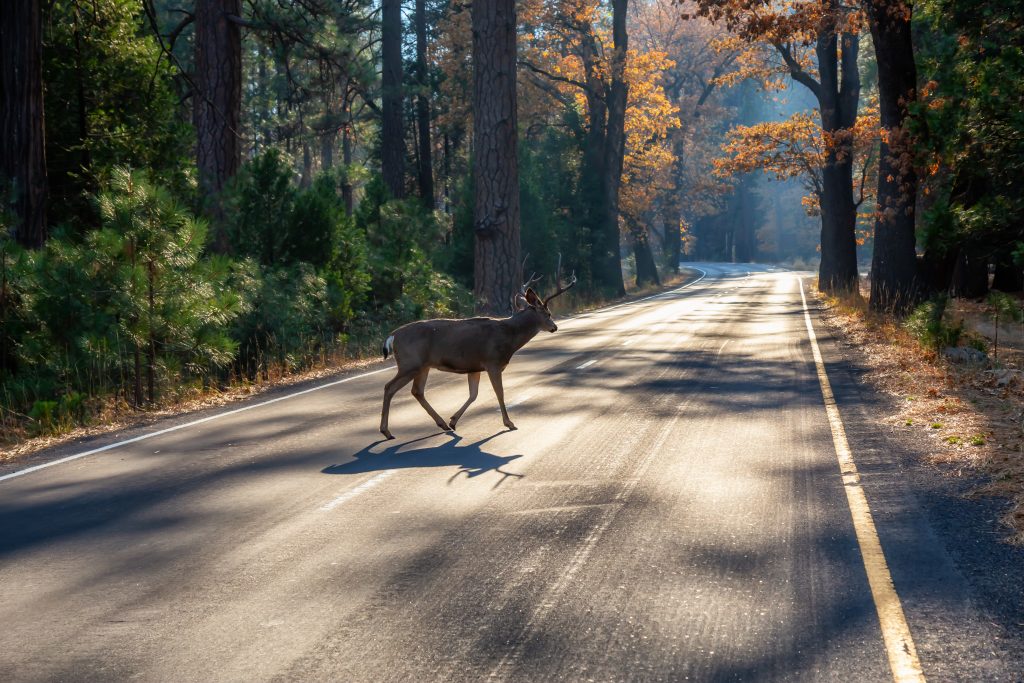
(671, 508)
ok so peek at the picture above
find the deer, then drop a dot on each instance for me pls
(469, 346)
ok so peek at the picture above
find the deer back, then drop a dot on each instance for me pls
(469, 345)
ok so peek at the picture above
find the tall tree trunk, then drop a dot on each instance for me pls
(894, 283)
(495, 166)
(615, 149)
(646, 269)
(970, 276)
(837, 102)
(327, 139)
(592, 172)
(672, 209)
(306, 179)
(151, 345)
(346, 159)
(425, 173)
(217, 104)
(744, 238)
(22, 138)
(392, 132)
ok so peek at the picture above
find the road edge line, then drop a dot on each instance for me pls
(168, 430)
(899, 644)
(143, 437)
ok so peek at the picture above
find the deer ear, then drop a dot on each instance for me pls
(518, 302)
(531, 297)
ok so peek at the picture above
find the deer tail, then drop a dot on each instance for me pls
(389, 346)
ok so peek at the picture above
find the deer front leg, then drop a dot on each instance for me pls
(495, 375)
(390, 389)
(474, 386)
(418, 385)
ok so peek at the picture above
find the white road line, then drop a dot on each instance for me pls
(193, 423)
(143, 437)
(362, 488)
(587, 364)
(899, 644)
(591, 314)
(553, 595)
(629, 341)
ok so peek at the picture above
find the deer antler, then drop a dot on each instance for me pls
(533, 279)
(558, 281)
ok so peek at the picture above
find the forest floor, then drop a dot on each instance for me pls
(112, 416)
(965, 416)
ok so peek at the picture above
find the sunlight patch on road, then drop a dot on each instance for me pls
(359, 490)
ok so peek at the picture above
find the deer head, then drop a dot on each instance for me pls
(527, 302)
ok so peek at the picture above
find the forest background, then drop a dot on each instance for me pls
(202, 192)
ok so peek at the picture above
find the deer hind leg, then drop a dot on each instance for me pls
(495, 376)
(418, 385)
(474, 386)
(390, 389)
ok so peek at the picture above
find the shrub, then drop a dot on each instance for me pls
(926, 324)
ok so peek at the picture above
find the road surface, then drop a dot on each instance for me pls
(671, 508)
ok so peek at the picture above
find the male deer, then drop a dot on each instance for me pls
(467, 347)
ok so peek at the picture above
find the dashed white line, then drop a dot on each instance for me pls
(362, 488)
(587, 364)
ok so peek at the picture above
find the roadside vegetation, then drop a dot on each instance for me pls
(205, 194)
(953, 389)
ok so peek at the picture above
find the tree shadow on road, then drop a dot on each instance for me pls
(470, 458)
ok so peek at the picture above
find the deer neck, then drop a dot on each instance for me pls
(522, 328)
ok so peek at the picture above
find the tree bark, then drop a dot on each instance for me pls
(894, 284)
(615, 148)
(838, 96)
(22, 133)
(672, 208)
(646, 270)
(425, 172)
(346, 159)
(970, 276)
(392, 133)
(495, 165)
(327, 150)
(217, 104)
(592, 169)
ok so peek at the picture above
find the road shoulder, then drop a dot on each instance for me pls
(949, 566)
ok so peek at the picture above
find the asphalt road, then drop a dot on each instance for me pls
(670, 508)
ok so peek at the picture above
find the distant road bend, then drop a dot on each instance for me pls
(688, 497)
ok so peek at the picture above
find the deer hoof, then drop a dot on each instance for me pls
(510, 425)
(387, 434)
(451, 424)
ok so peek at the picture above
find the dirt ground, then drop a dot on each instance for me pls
(968, 415)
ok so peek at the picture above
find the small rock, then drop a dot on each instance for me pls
(964, 354)
(1005, 377)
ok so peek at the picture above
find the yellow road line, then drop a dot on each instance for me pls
(899, 645)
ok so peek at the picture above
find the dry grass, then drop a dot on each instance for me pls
(968, 416)
(111, 416)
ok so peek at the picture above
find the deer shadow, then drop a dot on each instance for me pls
(470, 459)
